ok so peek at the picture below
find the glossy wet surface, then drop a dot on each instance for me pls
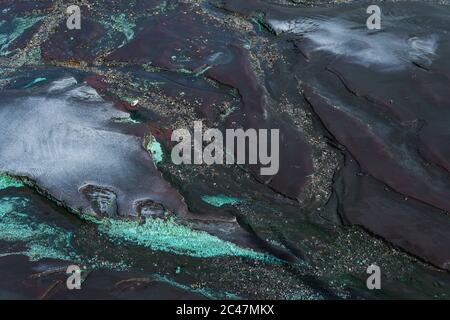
(86, 118)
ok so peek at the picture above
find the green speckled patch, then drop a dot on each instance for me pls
(154, 147)
(221, 200)
(162, 7)
(40, 240)
(170, 236)
(122, 24)
(125, 120)
(35, 81)
(9, 32)
(7, 181)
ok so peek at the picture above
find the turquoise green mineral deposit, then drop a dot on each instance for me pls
(221, 200)
(40, 240)
(170, 236)
(35, 81)
(6, 181)
(154, 147)
(121, 23)
(19, 26)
